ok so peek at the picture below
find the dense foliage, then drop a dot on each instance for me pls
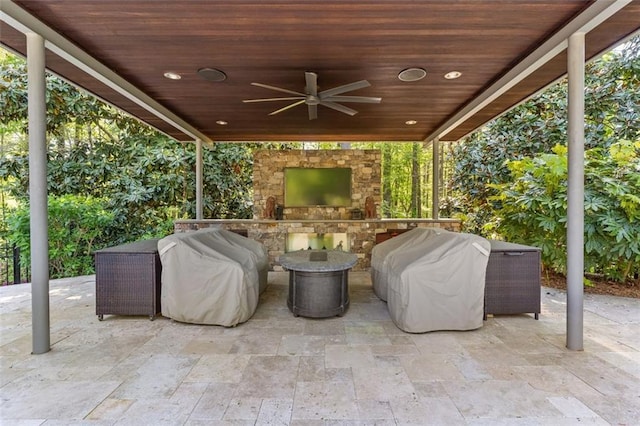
(77, 225)
(406, 179)
(144, 179)
(533, 208)
(510, 182)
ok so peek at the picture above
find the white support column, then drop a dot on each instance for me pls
(41, 337)
(575, 194)
(435, 195)
(199, 179)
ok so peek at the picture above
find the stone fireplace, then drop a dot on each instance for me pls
(268, 180)
(317, 222)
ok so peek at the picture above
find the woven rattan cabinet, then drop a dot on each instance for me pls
(128, 279)
(512, 283)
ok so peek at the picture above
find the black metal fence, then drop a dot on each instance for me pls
(12, 271)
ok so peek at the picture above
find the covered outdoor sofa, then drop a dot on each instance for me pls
(432, 279)
(211, 276)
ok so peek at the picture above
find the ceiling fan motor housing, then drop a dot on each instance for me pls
(312, 100)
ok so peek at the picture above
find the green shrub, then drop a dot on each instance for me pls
(77, 226)
(533, 208)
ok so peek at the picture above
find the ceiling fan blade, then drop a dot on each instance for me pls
(313, 112)
(311, 79)
(346, 88)
(279, 89)
(293, 98)
(287, 107)
(361, 99)
(339, 107)
(331, 98)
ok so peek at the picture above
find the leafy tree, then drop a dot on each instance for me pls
(533, 207)
(479, 160)
(486, 164)
(70, 112)
(406, 178)
(145, 179)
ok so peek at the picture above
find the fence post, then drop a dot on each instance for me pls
(16, 265)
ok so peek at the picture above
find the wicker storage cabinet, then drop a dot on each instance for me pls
(512, 283)
(128, 279)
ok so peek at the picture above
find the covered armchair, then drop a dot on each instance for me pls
(211, 276)
(435, 280)
(386, 254)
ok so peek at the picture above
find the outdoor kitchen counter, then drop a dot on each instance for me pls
(361, 234)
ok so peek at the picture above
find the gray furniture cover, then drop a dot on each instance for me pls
(211, 276)
(385, 254)
(435, 280)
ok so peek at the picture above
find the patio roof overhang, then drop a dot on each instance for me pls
(505, 50)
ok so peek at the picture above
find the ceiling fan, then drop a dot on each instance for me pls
(328, 98)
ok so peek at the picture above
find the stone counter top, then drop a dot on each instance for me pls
(386, 220)
(273, 234)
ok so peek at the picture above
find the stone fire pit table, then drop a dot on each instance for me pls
(318, 282)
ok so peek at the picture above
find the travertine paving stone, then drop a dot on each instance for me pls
(275, 369)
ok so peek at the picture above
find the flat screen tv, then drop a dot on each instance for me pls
(304, 187)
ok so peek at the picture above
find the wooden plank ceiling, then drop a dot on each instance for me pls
(275, 42)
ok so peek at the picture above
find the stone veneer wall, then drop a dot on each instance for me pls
(268, 179)
(273, 234)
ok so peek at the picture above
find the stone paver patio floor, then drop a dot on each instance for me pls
(359, 369)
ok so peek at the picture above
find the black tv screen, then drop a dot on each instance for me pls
(305, 187)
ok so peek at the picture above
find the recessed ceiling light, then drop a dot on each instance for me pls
(412, 74)
(410, 122)
(172, 75)
(452, 75)
(212, 74)
(221, 122)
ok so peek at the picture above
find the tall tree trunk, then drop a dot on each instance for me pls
(416, 201)
(444, 170)
(386, 180)
(427, 184)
